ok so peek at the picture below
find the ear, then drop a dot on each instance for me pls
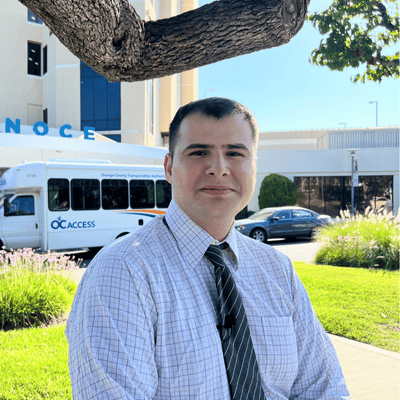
(168, 167)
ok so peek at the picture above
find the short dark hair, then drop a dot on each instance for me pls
(217, 107)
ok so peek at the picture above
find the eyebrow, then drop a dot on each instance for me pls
(209, 146)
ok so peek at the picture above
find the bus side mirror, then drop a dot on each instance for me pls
(6, 208)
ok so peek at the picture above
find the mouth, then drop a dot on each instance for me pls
(216, 190)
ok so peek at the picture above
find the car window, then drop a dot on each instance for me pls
(261, 215)
(301, 214)
(285, 214)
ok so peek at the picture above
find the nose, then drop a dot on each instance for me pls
(218, 165)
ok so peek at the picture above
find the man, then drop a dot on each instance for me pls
(146, 323)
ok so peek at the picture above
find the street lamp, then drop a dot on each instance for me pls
(352, 154)
(376, 103)
(206, 91)
(343, 123)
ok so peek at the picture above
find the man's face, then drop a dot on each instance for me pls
(213, 169)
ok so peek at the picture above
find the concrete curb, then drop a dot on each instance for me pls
(364, 346)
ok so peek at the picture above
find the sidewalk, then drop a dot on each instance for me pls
(370, 373)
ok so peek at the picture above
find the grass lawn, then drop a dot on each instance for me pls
(355, 303)
(34, 364)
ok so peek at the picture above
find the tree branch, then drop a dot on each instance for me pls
(381, 61)
(109, 35)
(385, 17)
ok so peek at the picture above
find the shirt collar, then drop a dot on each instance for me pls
(192, 240)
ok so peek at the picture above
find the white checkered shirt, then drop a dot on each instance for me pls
(143, 321)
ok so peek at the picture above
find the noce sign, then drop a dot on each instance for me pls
(41, 129)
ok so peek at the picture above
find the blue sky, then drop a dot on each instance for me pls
(286, 92)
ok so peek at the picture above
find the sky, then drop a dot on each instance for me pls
(286, 92)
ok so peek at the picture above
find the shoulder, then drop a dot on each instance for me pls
(146, 238)
(133, 255)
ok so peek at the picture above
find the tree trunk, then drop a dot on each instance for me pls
(110, 37)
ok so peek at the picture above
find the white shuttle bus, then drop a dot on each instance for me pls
(75, 204)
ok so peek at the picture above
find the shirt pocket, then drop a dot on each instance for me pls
(278, 352)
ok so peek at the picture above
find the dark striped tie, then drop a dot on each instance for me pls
(240, 359)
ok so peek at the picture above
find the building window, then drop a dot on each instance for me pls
(44, 60)
(45, 116)
(330, 194)
(33, 18)
(115, 137)
(100, 101)
(33, 59)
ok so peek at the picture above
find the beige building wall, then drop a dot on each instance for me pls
(61, 84)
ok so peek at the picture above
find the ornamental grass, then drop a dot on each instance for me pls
(34, 288)
(361, 241)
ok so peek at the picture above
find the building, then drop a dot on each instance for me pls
(40, 80)
(319, 162)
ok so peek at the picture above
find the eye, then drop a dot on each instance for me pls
(197, 153)
(234, 154)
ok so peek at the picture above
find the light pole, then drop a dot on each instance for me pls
(343, 123)
(206, 91)
(376, 103)
(352, 154)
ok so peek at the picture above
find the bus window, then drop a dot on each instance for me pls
(164, 193)
(142, 193)
(58, 194)
(114, 194)
(85, 194)
(21, 205)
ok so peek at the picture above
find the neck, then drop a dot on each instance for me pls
(218, 229)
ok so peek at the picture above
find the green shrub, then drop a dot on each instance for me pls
(34, 288)
(277, 190)
(369, 241)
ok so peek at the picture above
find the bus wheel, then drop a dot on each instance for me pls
(121, 234)
(93, 251)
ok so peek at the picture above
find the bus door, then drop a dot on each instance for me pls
(21, 222)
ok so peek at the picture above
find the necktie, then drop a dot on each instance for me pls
(240, 359)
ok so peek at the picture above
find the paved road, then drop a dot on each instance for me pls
(296, 250)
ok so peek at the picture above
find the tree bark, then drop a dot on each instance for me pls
(110, 37)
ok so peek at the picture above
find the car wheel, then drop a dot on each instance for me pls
(259, 234)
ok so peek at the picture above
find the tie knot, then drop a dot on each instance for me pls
(216, 250)
(213, 251)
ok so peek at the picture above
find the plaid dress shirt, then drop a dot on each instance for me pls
(143, 322)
